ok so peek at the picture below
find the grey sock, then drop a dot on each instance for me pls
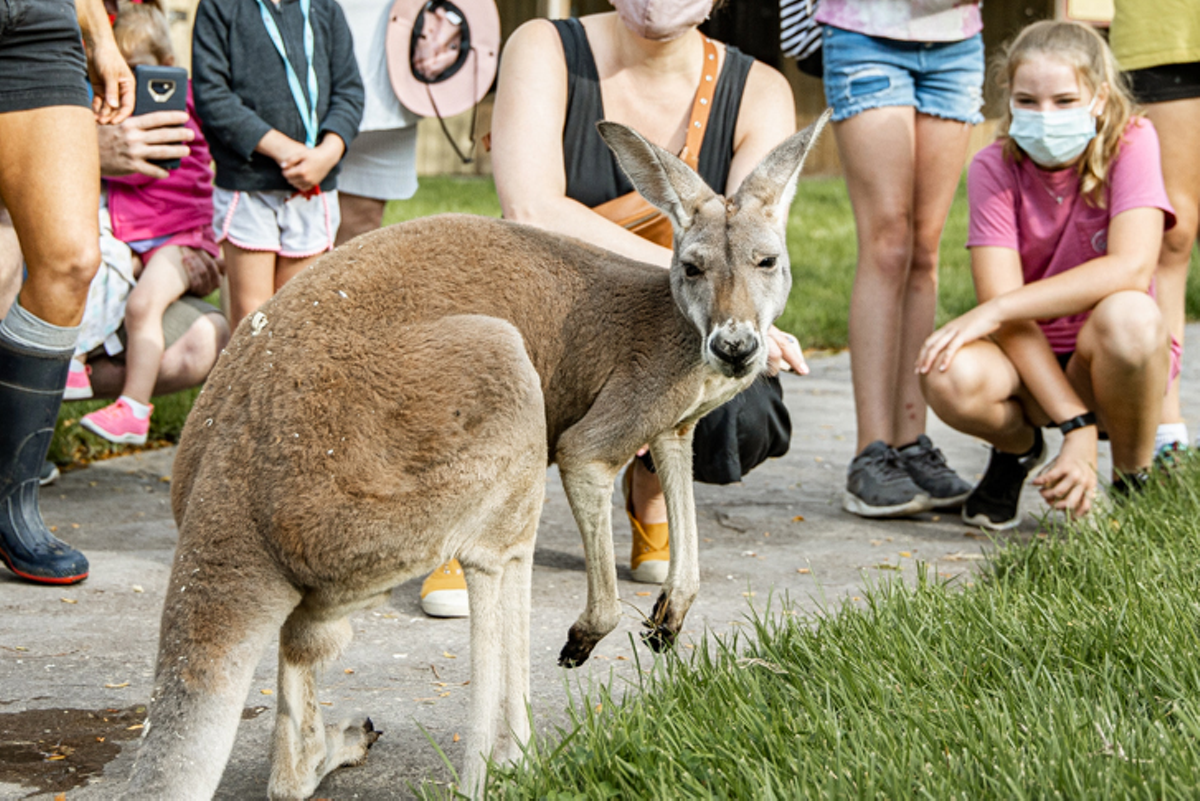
(33, 333)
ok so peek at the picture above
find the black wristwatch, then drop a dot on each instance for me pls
(1083, 420)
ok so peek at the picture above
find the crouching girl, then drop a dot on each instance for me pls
(1067, 212)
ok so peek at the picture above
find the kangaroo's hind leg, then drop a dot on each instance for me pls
(512, 730)
(215, 626)
(304, 750)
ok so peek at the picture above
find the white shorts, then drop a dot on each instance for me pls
(279, 221)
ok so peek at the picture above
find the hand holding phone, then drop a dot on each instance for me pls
(160, 89)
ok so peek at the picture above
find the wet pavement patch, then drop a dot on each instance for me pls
(55, 750)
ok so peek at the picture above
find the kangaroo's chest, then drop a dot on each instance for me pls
(713, 390)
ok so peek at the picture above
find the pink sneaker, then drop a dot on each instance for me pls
(78, 385)
(116, 423)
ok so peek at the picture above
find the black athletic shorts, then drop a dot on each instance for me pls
(41, 56)
(1166, 82)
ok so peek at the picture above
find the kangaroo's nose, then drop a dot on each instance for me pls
(735, 349)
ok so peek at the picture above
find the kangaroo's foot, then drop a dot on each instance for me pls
(347, 743)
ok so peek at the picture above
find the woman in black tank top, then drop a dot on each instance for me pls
(551, 167)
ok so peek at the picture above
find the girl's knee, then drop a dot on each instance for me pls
(958, 386)
(1127, 326)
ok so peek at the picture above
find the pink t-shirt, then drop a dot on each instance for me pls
(1040, 214)
(147, 208)
(906, 20)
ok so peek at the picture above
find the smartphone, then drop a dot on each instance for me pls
(160, 89)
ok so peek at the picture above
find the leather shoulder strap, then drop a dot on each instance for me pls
(701, 106)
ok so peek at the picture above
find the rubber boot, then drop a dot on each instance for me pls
(31, 388)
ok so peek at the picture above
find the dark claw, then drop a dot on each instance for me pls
(659, 638)
(373, 734)
(577, 650)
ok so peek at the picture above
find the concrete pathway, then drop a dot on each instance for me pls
(68, 652)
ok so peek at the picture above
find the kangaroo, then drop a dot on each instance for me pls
(397, 404)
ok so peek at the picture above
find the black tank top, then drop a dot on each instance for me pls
(593, 175)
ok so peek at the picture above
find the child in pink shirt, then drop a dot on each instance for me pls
(155, 217)
(1067, 214)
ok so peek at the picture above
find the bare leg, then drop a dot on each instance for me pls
(649, 504)
(49, 165)
(162, 282)
(877, 149)
(981, 395)
(941, 150)
(287, 268)
(1177, 122)
(11, 262)
(359, 215)
(251, 276)
(184, 365)
(1122, 362)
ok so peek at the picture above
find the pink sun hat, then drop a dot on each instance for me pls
(442, 54)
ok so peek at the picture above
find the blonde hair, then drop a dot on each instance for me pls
(1081, 47)
(141, 30)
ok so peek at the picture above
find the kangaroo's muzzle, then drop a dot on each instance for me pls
(736, 348)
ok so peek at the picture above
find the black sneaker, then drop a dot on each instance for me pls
(928, 469)
(995, 503)
(877, 485)
(1128, 485)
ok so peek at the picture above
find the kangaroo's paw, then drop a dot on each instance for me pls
(347, 742)
(578, 648)
(660, 636)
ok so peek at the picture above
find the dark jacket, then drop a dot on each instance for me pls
(241, 85)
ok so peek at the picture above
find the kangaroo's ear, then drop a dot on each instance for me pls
(661, 178)
(773, 181)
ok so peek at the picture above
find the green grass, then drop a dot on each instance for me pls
(821, 243)
(1070, 668)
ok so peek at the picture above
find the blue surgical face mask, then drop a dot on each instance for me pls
(1053, 138)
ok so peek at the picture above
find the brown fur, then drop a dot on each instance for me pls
(396, 405)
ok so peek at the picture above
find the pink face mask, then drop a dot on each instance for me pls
(662, 20)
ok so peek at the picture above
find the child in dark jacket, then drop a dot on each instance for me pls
(156, 217)
(279, 98)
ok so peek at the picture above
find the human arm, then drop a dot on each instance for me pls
(305, 167)
(107, 70)
(346, 94)
(1134, 237)
(527, 152)
(225, 116)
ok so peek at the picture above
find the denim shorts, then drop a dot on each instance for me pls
(942, 79)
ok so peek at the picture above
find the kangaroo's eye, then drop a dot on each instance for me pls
(691, 270)
(767, 263)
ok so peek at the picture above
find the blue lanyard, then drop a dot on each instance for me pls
(307, 113)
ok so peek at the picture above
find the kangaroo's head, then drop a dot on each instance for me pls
(730, 273)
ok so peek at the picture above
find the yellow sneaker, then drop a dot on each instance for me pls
(651, 556)
(444, 593)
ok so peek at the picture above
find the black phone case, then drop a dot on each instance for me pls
(160, 89)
